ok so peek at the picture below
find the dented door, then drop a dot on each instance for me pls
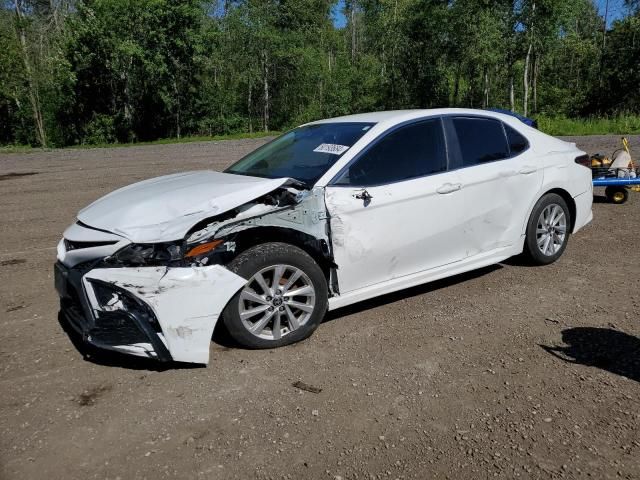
(500, 178)
(497, 196)
(388, 231)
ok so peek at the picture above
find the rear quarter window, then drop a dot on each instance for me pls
(517, 142)
(480, 140)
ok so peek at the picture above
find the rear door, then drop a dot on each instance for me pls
(500, 178)
(395, 209)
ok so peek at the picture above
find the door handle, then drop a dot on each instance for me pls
(527, 169)
(449, 188)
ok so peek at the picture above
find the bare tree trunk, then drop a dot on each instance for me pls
(249, 109)
(525, 79)
(512, 93)
(536, 69)
(178, 107)
(265, 70)
(394, 47)
(34, 96)
(353, 31)
(604, 41)
(527, 62)
(485, 100)
(128, 109)
(456, 86)
(54, 13)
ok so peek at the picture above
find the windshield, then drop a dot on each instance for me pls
(305, 153)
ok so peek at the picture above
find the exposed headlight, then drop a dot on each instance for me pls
(154, 254)
(149, 254)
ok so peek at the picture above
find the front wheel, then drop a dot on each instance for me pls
(548, 230)
(283, 301)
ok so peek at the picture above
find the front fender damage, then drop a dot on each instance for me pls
(177, 307)
(186, 303)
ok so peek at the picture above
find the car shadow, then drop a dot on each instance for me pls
(600, 199)
(611, 350)
(222, 337)
(408, 293)
(110, 358)
(521, 260)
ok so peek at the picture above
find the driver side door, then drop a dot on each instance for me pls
(395, 209)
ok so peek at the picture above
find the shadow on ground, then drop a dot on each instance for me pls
(110, 358)
(222, 338)
(221, 335)
(610, 350)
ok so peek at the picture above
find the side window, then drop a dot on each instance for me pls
(517, 143)
(409, 152)
(481, 140)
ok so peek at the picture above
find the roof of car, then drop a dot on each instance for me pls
(399, 116)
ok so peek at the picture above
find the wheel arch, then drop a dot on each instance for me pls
(566, 196)
(318, 249)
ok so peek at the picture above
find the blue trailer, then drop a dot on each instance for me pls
(617, 173)
(617, 182)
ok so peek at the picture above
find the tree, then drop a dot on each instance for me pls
(100, 71)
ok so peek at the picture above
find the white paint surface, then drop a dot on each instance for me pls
(408, 233)
(186, 301)
(407, 227)
(165, 208)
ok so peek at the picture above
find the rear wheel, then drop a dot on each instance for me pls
(617, 195)
(283, 301)
(548, 230)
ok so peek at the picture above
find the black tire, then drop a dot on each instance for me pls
(257, 259)
(617, 195)
(531, 250)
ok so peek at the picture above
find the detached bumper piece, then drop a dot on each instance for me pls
(124, 320)
(159, 312)
(132, 329)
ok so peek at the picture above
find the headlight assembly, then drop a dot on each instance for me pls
(155, 254)
(149, 254)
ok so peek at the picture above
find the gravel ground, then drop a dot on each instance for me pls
(507, 372)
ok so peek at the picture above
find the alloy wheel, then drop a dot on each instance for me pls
(276, 301)
(551, 231)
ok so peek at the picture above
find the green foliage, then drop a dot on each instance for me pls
(161, 141)
(104, 71)
(623, 124)
(100, 129)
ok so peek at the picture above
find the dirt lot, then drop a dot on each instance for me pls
(456, 379)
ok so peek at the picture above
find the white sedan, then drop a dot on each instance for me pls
(326, 215)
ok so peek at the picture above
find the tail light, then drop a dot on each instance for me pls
(584, 160)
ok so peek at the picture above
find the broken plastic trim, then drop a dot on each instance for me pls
(186, 301)
(144, 326)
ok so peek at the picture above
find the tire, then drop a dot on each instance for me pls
(289, 318)
(544, 248)
(617, 195)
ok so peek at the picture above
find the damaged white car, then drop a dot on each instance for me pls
(328, 214)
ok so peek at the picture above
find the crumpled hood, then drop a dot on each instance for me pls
(165, 208)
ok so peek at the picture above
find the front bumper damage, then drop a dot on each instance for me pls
(157, 312)
(169, 311)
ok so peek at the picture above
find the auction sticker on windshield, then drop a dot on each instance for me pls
(331, 148)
